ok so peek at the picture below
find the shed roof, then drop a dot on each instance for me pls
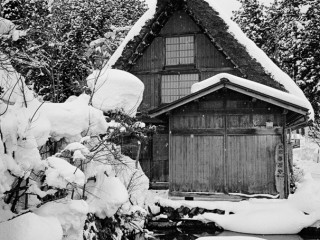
(226, 35)
(298, 110)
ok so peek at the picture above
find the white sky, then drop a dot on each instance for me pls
(227, 5)
(232, 5)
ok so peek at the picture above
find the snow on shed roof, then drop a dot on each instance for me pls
(291, 102)
(250, 85)
(225, 34)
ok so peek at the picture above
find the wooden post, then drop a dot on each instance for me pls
(285, 156)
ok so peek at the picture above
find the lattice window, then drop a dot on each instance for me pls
(174, 87)
(180, 50)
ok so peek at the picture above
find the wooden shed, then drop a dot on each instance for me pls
(227, 138)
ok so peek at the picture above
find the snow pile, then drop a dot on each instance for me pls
(284, 220)
(61, 173)
(115, 89)
(307, 195)
(30, 226)
(71, 120)
(230, 237)
(70, 213)
(288, 97)
(106, 195)
(308, 151)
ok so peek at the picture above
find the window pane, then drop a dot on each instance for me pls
(180, 50)
(174, 87)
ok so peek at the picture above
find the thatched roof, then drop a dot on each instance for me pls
(251, 61)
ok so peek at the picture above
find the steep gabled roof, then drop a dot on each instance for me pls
(228, 38)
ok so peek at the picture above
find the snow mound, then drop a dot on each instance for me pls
(307, 195)
(106, 195)
(60, 173)
(71, 119)
(230, 237)
(30, 226)
(286, 220)
(281, 216)
(70, 213)
(115, 89)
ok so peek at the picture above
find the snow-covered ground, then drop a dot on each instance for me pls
(269, 216)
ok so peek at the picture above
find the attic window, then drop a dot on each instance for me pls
(180, 50)
(176, 86)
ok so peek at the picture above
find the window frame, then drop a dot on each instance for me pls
(179, 81)
(179, 64)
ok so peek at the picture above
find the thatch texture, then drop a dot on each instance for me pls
(211, 24)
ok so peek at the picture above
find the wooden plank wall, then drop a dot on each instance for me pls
(151, 95)
(224, 146)
(250, 163)
(197, 164)
(179, 23)
(152, 59)
(208, 56)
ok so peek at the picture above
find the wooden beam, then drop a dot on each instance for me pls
(205, 196)
(248, 131)
(232, 86)
(269, 99)
(185, 100)
(159, 185)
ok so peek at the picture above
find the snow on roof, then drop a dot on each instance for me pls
(261, 57)
(135, 30)
(232, 28)
(287, 97)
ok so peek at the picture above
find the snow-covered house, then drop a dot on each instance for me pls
(229, 133)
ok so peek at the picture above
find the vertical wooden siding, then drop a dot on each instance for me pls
(179, 23)
(208, 55)
(197, 165)
(152, 59)
(221, 144)
(250, 163)
(151, 94)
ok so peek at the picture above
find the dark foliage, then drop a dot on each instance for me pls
(55, 56)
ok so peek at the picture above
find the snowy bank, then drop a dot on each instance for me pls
(71, 215)
(281, 216)
(30, 226)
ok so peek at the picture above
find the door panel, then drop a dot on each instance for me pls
(250, 163)
(197, 163)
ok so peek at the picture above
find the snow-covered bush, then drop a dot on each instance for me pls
(88, 174)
